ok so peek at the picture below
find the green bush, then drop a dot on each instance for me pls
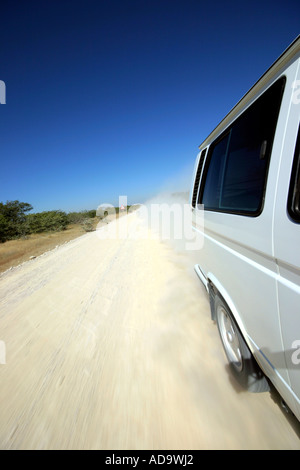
(15, 223)
(13, 219)
(48, 221)
(79, 217)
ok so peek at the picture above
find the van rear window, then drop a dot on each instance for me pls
(237, 164)
(294, 192)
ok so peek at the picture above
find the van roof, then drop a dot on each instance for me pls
(283, 60)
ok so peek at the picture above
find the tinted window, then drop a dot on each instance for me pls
(197, 178)
(238, 161)
(214, 176)
(294, 193)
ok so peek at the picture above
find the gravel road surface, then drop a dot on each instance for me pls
(107, 343)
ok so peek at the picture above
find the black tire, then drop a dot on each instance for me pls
(242, 363)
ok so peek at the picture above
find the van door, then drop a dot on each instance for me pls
(287, 247)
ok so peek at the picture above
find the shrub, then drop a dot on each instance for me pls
(87, 225)
(79, 217)
(13, 219)
(48, 221)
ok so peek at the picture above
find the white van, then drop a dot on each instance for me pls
(247, 181)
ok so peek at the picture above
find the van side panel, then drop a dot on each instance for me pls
(238, 271)
(286, 249)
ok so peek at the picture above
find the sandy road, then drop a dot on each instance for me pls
(109, 345)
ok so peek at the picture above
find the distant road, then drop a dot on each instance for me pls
(109, 345)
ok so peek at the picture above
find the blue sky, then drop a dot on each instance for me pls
(112, 97)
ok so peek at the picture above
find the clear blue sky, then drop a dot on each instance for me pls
(112, 97)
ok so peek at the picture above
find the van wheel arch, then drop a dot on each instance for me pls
(242, 363)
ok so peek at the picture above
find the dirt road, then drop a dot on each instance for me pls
(109, 345)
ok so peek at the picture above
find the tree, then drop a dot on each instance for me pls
(12, 219)
(14, 211)
(4, 229)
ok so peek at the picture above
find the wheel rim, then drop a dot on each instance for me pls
(230, 339)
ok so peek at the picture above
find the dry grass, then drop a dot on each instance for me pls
(15, 252)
